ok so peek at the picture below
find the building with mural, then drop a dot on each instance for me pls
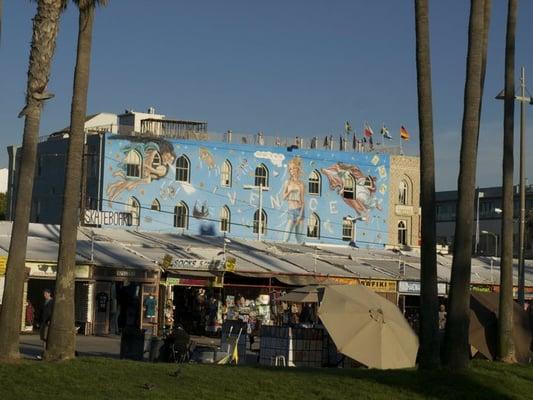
(161, 175)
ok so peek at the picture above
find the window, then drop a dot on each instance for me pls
(225, 219)
(313, 226)
(349, 187)
(181, 216)
(134, 208)
(225, 174)
(156, 162)
(261, 176)
(155, 205)
(182, 169)
(314, 183)
(402, 233)
(402, 193)
(133, 164)
(263, 221)
(347, 229)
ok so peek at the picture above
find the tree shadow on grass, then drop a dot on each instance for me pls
(476, 383)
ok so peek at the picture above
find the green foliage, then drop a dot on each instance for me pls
(101, 378)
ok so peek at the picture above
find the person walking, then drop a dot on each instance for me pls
(46, 314)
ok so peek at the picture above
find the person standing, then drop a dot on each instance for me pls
(46, 314)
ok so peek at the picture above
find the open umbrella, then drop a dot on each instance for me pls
(367, 327)
(306, 294)
(483, 330)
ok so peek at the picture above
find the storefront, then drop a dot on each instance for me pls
(125, 297)
(385, 288)
(409, 299)
(42, 275)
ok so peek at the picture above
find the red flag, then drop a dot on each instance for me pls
(368, 131)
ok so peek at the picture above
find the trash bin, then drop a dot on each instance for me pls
(132, 344)
(154, 349)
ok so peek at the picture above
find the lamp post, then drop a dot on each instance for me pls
(479, 195)
(260, 217)
(496, 239)
(523, 99)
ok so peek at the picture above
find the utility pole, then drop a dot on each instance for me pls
(521, 229)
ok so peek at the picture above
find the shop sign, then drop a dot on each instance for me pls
(413, 287)
(195, 264)
(379, 285)
(346, 281)
(107, 218)
(404, 211)
(229, 265)
(481, 288)
(3, 265)
(172, 281)
(49, 270)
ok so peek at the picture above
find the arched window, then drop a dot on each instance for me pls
(347, 229)
(133, 164)
(181, 215)
(313, 226)
(225, 174)
(315, 183)
(349, 187)
(156, 162)
(264, 221)
(155, 205)
(403, 192)
(134, 208)
(225, 219)
(183, 169)
(261, 176)
(402, 233)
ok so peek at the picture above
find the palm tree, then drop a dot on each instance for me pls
(429, 340)
(45, 28)
(61, 344)
(457, 352)
(505, 351)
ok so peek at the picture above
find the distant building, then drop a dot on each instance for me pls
(490, 204)
(156, 174)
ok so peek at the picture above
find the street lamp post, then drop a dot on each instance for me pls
(523, 99)
(479, 195)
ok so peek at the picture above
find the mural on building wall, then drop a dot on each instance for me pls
(364, 193)
(157, 156)
(221, 187)
(293, 194)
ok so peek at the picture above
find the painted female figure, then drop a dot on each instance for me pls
(293, 193)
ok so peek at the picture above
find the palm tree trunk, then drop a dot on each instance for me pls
(45, 28)
(429, 339)
(61, 343)
(505, 320)
(457, 352)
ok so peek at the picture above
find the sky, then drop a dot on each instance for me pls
(288, 68)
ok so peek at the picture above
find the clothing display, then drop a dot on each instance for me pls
(150, 304)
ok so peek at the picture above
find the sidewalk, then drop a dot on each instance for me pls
(105, 346)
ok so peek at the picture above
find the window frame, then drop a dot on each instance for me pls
(226, 171)
(259, 178)
(225, 219)
(316, 226)
(133, 170)
(185, 216)
(180, 170)
(312, 182)
(402, 232)
(135, 219)
(348, 224)
(264, 222)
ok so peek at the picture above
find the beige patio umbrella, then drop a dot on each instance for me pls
(367, 327)
(306, 294)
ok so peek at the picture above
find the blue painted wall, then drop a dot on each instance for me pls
(371, 171)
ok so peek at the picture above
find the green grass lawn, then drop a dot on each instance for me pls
(100, 378)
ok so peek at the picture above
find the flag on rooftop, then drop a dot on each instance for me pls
(404, 134)
(347, 127)
(368, 130)
(385, 133)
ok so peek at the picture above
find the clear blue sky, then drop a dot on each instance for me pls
(292, 68)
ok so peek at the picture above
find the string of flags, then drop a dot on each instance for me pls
(368, 133)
